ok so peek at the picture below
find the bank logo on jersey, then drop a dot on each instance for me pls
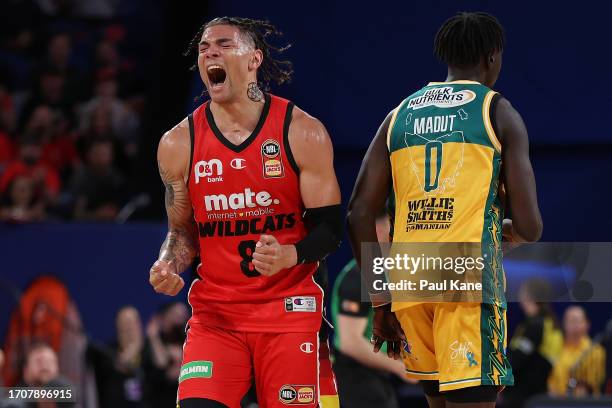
(271, 159)
(212, 170)
(442, 98)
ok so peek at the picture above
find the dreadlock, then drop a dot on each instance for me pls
(258, 31)
(467, 37)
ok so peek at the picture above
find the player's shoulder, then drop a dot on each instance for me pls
(175, 146)
(306, 129)
(309, 141)
(177, 135)
(503, 113)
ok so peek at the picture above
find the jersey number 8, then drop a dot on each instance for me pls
(246, 250)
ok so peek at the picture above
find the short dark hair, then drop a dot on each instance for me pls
(271, 69)
(467, 37)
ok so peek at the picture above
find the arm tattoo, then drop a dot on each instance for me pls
(180, 245)
(169, 195)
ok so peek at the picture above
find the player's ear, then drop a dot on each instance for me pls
(256, 60)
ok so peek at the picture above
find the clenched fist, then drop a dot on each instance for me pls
(270, 256)
(164, 278)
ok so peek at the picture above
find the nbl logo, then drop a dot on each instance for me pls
(291, 394)
(270, 149)
(271, 159)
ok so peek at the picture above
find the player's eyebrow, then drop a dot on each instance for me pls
(217, 41)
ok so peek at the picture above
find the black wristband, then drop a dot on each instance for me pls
(324, 226)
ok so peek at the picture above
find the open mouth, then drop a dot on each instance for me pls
(216, 75)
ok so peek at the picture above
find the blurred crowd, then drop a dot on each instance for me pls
(556, 357)
(47, 346)
(71, 104)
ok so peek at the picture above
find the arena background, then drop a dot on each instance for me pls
(354, 62)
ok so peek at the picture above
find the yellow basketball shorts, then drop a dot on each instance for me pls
(458, 344)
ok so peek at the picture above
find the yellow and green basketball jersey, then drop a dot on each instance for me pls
(445, 160)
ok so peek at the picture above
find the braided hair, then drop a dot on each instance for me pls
(259, 31)
(467, 37)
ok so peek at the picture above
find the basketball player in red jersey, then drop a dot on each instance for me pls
(250, 186)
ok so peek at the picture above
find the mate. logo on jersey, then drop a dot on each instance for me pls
(213, 167)
(241, 200)
(442, 98)
(271, 159)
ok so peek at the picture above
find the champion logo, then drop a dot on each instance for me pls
(307, 347)
(238, 164)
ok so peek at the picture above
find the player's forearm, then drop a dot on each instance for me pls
(179, 248)
(361, 350)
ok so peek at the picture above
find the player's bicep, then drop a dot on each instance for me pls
(313, 151)
(518, 176)
(172, 167)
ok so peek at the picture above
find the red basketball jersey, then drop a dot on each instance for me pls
(239, 192)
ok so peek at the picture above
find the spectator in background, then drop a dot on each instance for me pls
(58, 59)
(107, 57)
(99, 188)
(119, 371)
(2, 400)
(166, 334)
(48, 90)
(173, 318)
(579, 368)
(536, 344)
(124, 123)
(58, 149)
(8, 116)
(40, 369)
(29, 163)
(20, 203)
(364, 377)
(7, 151)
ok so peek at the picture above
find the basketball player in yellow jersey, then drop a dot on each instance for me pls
(442, 158)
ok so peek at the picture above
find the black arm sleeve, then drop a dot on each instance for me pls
(324, 226)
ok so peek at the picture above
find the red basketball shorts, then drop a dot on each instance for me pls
(288, 369)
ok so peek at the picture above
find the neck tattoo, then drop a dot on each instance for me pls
(254, 93)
